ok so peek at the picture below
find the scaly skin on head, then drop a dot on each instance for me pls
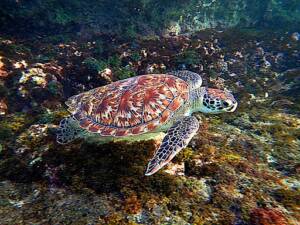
(212, 101)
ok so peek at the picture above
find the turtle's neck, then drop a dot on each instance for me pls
(196, 98)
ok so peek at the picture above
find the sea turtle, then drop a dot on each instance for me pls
(133, 108)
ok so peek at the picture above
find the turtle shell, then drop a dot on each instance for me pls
(129, 107)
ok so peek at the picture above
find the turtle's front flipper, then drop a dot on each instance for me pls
(177, 138)
(68, 130)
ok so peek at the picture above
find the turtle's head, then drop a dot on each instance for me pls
(216, 101)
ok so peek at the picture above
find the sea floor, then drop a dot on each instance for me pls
(241, 168)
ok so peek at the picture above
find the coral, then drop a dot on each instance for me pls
(197, 188)
(34, 136)
(115, 218)
(132, 205)
(266, 216)
(39, 83)
(35, 75)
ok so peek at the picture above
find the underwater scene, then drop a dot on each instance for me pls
(155, 112)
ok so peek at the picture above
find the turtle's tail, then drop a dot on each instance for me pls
(68, 130)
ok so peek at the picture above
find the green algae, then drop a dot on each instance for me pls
(231, 157)
(13, 124)
(124, 73)
(94, 64)
(120, 72)
(185, 154)
(188, 57)
(49, 116)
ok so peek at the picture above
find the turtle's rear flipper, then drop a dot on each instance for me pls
(177, 138)
(68, 130)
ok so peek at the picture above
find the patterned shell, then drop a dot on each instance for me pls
(129, 107)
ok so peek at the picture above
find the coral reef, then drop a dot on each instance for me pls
(241, 168)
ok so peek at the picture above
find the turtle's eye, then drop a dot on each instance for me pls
(226, 104)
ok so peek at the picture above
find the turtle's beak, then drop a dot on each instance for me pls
(233, 106)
